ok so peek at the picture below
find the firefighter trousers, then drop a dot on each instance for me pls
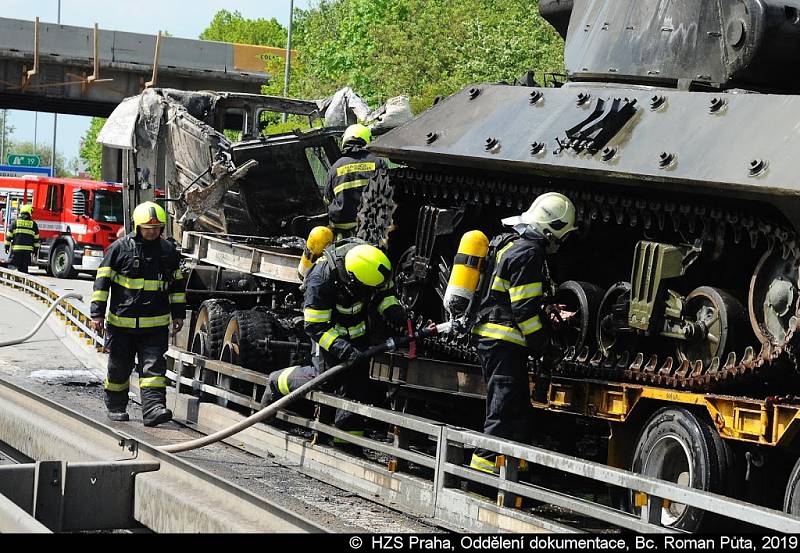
(353, 384)
(20, 261)
(508, 407)
(145, 352)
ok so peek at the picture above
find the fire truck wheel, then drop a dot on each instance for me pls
(678, 446)
(61, 262)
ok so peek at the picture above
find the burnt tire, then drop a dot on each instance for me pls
(678, 446)
(240, 341)
(584, 298)
(209, 328)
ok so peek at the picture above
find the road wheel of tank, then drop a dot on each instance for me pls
(209, 328)
(678, 446)
(791, 500)
(773, 298)
(582, 298)
(720, 321)
(612, 331)
(61, 262)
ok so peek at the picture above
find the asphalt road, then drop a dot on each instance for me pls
(48, 367)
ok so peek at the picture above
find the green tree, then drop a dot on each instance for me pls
(6, 131)
(90, 151)
(233, 27)
(421, 48)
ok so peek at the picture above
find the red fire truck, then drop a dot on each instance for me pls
(78, 219)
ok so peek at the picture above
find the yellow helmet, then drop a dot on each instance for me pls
(27, 208)
(357, 132)
(149, 214)
(368, 265)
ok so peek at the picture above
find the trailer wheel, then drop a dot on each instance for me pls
(61, 262)
(209, 329)
(680, 447)
(240, 342)
(791, 500)
(584, 299)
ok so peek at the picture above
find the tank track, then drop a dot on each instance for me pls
(375, 224)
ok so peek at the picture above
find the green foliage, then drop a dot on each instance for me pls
(384, 48)
(421, 48)
(91, 152)
(232, 27)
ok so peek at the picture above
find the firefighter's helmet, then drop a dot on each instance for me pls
(551, 214)
(149, 214)
(357, 132)
(27, 208)
(368, 265)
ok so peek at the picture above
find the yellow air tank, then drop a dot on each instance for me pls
(318, 239)
(466, 272)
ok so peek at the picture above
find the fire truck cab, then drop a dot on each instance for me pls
(78, 219)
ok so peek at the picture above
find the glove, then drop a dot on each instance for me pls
(351, 354)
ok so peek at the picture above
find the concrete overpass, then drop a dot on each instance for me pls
(88, 71)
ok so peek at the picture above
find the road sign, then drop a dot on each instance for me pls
(24, 160)
(16, 171)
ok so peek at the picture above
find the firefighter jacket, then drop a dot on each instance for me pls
(334, 315)
(345, 183)
(142, 283)
(23, 235)
(512, 309)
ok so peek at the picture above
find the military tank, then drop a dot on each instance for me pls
(674, 136)
(674, 133)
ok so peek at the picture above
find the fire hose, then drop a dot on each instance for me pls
(272, 409)
(42, 320)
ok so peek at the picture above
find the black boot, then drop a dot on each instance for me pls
(158, 416)
(118, 416)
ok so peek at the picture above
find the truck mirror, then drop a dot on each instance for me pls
(79, 202)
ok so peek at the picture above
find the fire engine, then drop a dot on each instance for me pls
(78, 219)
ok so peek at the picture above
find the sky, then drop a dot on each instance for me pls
(148, 16)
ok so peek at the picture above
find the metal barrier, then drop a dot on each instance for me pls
(75, 319)
(448, 470)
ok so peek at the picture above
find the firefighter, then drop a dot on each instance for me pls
(348, 177)
(141, 282)
(22, 239)
(510, 321)
(351, 279)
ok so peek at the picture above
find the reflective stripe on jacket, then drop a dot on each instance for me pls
(345, 183)
(142, 285)
(333, 317)
(512, 310)
(23, 234)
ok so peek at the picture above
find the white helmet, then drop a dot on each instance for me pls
(552, 214)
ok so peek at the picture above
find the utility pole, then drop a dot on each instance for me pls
(288, 55)
(3, 113)
(55, 116)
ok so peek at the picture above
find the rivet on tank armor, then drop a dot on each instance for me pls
(718, 104)
(608, 154)
(758, 167)
(492, 145)
(537, 148)
(666, 159)
(474, 93)
(431, 137)
(658, 101)
(583, 97)
(536, 97)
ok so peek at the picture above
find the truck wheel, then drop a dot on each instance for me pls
(584, 299)
(209, 329)
(240, 342)
(677, 446)
(61, 262)
(791, 501)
